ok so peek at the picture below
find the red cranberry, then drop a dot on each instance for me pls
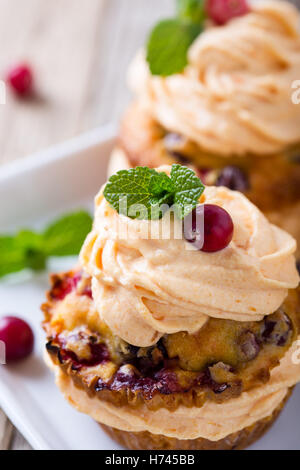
(17, 337)
(209, 228)
(98, 351)
(99, 355)
(164, 382)
(222, 11)
(233, 178)
(20, 79)
(167, 382)
(65, 286)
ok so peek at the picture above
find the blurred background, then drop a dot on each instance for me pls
(79, 52)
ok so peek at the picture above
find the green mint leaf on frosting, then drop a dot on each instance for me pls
(188, 189)
(129, 189)
(140, 192)
(192, 10)
(160, 183)
(168, 46)
(162, 188)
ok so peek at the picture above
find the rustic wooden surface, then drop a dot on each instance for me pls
(80, 51)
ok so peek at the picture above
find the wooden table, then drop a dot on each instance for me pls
(80, 51)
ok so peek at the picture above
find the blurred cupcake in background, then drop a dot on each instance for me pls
(228, 113)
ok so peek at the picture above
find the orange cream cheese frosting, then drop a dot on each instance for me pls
(234, 97)
(212, 421)
(145, 287)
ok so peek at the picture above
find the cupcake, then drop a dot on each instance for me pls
(229, 114)
(177, 342)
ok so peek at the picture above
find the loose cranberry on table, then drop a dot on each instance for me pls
(217, 232)
(20, 79)
(222, 11)
(17, 337)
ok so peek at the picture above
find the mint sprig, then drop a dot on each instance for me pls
(130, 188)
(191, 10)
(168, 46)
(12, 257)
(65, 236)
(30, 250)
(140, 192)
(188, 189)
(170, 39)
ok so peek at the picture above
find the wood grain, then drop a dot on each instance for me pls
(6, 431)
(124, 27)
(57, 39)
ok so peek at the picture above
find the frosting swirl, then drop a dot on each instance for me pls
(234, 97)
(146, 287)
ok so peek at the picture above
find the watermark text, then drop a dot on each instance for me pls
(2, 353)
(296, 93)
(159, 222)
(296, 354)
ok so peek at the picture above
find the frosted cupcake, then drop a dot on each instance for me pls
(229, 114)
(170, 344)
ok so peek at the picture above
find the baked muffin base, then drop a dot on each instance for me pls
(236, 441)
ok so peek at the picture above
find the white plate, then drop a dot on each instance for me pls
(32, 191)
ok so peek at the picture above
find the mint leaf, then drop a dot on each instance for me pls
(188, 189)
(133, 192)
(168, 45)
(160, 205)
(163, 189)
(29, 240)
(160, 183)
(12, 257)
(66, 236)
(192, 10)
(28, 249)
(21, 252)
(32, 245)
(144, 190)
(35, 260)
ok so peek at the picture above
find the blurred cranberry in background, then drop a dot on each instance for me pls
(20, 78)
